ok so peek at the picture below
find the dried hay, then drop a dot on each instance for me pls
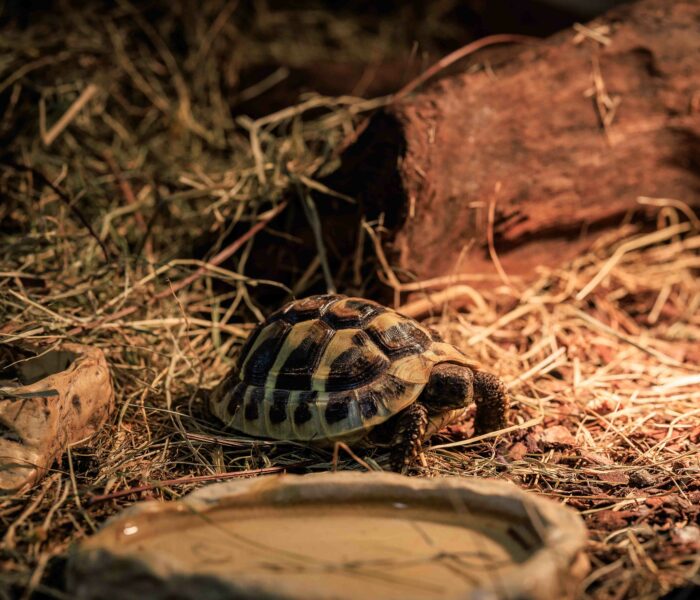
(123, 154)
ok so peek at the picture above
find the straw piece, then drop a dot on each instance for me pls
(455, 296)
(57, 128)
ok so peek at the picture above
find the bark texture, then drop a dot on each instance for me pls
(563, 138)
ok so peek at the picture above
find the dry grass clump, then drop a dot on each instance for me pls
(121, 155)
(602, 360)
(606, 412)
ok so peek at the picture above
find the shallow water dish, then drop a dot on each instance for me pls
(344, 535)
(48, 400)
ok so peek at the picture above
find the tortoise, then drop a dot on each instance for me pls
(331, 368)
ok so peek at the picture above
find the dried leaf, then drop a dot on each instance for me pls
(614, 519)
(595, 458)
(517, 451)
(643, 478)
(614, 477)
(558, 435)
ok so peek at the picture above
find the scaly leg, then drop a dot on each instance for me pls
(408, 437)
(492, 401)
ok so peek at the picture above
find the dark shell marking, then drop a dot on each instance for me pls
(400, 339)
(278, 410)
(302, 413)
(263, 353)
(352, 314)
(338, 407)
(358, 365)
(312, 307)
(251, 409)
(327, 365)
(298, 367)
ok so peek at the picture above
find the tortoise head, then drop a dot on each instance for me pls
(450, 386)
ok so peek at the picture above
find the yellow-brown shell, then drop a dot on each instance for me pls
(328, 367)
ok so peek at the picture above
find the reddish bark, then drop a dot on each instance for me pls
(530, 136)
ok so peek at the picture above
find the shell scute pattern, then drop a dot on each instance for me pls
(398, 336)
(300, 355)
(302, 412)
(278, 410)
(327, 367)
(253, 403)
(369, 404)
(352, 314)
(351, 360)
(312, 307)
(338, 407)
(263, 352)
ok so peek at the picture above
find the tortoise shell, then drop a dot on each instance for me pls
(328, 367)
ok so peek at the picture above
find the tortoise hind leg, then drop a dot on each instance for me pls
(408, 437)
(491, 398)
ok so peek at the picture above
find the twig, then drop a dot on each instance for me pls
(453, 295)
(227, 252)
(443, 63)
(381, 257)
(678, 204)
(86, 95)
(489, 238)
(126, 188)
(667, 360)
(457, 55)
(337, 446)
(315, 222)
(634, 244)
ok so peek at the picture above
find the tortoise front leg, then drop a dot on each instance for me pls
(408, 437)
(491, 398)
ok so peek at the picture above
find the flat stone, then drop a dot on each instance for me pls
(337, 535)
(48, 401)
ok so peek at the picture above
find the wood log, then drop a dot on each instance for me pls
(560, 140)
